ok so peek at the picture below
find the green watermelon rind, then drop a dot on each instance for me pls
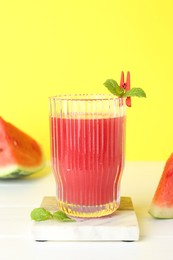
(161, 212)
(18, 171)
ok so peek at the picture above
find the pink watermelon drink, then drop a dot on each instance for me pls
(87, 151)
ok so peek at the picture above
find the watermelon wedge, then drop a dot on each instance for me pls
(20, 154)
(162, 203)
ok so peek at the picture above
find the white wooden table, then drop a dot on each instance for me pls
(19, 197)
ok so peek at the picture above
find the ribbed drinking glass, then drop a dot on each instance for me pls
(87, 134)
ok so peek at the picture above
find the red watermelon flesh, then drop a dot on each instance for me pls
(20, 154)
(162, 203)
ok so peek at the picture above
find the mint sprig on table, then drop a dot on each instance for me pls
(62, 217)
(41, 214)
(115, 89)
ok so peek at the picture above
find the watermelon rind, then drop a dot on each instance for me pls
(18, 171)
(162, 212)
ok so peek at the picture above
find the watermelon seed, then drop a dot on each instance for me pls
(15, 143)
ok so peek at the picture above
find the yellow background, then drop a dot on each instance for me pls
(49, 47)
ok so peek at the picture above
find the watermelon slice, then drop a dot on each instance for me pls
(162, 203)
(20, 155)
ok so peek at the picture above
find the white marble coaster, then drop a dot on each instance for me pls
(120, 226)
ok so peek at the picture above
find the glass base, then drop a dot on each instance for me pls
(88, 211)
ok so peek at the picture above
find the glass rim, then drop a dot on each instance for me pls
(85, 97)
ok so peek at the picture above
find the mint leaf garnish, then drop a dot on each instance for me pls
(113, 87)
(134, 92)
(62, 217)
(40, 214)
